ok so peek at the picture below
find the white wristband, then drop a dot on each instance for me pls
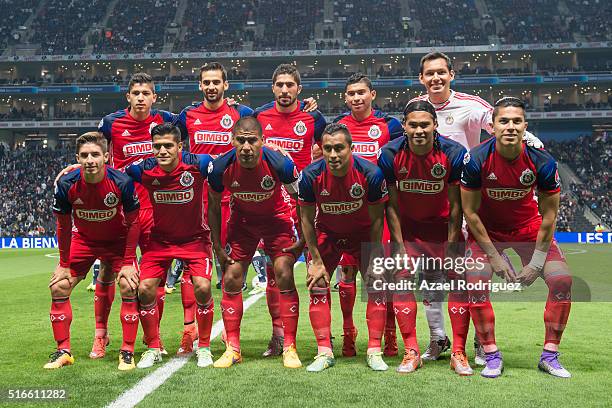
(538, 259)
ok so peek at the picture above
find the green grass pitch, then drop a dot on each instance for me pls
(27, 341)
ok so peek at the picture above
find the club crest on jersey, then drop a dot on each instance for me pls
(449, 120)
(356, 191)
(466, 158)
(374, 132)
(111, 200)
(152, 125)
(226, 121)
(186, 179)
(383, 187)
(438, 170)
(267, 183)
(527, 177)
(300, 128)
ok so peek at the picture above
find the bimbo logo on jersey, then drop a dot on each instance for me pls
(290, 145)
(252, 197)
(365, 148)
(501, 194)
(138, 149)
(343, 207)
(173, 196)
(421, 186)
(95, 215)
(210, 137)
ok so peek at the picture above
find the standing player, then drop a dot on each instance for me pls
(346, 194)
(461, 117)
(286, 124)
(208, 126)
(101, 204)
(174, 181)
(498, 184)
(370, 130)
(128, 132)
(423, 171)
(258, 180)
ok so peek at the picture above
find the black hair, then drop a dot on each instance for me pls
(287, 69)
(213, 66)
(423, 106)
(141, 78)
(508, 101)
(436, 55)
(338, 127)
(249, 123)
(166, 129)
(96, 138)
(356, 78)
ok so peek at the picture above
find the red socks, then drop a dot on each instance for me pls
(320, 316)
(149, 318)
(161, 299)
(189, 301)
(347, 292)
(459, 312)
(103, 300)
(204, 315)
(405, 310)
(61, 317)
(376, 314)
(558, 306)
(289, 313)
(231, 311)
(129, 322)
(273, 301)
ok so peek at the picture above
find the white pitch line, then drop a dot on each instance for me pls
(152, 381)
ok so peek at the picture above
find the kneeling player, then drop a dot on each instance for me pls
(258, 179)
(349, 194)
(423, 171)
(174, 181)
(498, 183)
(101, 203)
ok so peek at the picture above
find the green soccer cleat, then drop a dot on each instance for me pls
(149, 358)
(321, 362)
(204, 357)
(376, 363)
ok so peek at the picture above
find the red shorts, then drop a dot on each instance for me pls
(83, 254)
(225, 213)
(522, 241)
(145, 220)
(427, 238)
(348, 260)
(333, 247)
(243, 236)
(196, 254)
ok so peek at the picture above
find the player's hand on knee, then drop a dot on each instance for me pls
(501, 268)
(59, 275)
(65, 171)
(130, 274)
(528, 275)
(310, 105)
(295, 249)
(316, 272)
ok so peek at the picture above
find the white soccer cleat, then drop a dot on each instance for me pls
(149, 358)
(204, 357)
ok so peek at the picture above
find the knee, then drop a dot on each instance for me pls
(60, 289)
(201, 287)
(147, 290)
(348, 274)
(125, 289)
(106, 272)
(559, 283)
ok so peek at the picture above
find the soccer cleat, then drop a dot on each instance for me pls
(275, 346)
(218, 285)
(149, 357)
(390, 349)
(91, 287)
(190, 335)
(479, 354)
(126, 360)
(259, 287)
(290, 357)
(549, 363)
(348, 342)
(435, 348)
(410, 363)
(98, 350)
(459, 362)
(321, 362)
(204, 356)
(169, 289)
(494, 365)
(59, 359)
(376, 363)
(228, 359)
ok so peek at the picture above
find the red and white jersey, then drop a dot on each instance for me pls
(176, 197)
(372, 133)
(462, 117)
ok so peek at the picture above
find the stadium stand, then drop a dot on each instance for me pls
(16, 13)
(362, 23)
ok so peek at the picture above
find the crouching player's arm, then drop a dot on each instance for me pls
(64, 237)
(128, 271)
(317, 274)
(470, 201)
(214, 220)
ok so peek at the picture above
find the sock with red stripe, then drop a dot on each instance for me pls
(459, 313)
(376, 313)
(273, 301)
(290, 312)
(129, 322)
(104, 296)
(231, 311)
(558, 306)
(61, 317)
(320, 317)
(161, 300)
(204, 315)
(405, 311)
(149, 319)
(189, 301)
(347, 292)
